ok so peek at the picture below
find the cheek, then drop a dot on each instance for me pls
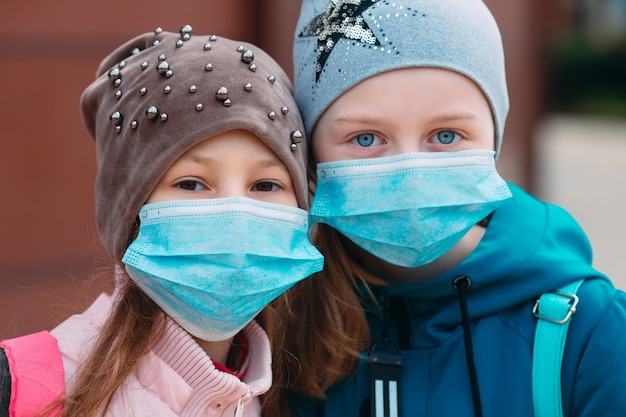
(292, 201)
(322, 147)
(324, 151)
(160, 193)
(318, 153)
(284, 199)
(488, 138)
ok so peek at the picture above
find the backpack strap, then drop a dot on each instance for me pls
(37, 376)
(553, 311)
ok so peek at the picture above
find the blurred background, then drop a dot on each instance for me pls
(565, 139)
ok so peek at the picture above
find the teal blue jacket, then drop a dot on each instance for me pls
(530, 247)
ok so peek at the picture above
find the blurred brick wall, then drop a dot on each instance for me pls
(49, 52)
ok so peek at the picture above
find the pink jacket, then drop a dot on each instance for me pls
(176, 378)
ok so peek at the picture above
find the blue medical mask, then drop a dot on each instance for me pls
(408, 209)
(213, 265)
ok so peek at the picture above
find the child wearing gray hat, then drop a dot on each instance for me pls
(435, 266)
(201, 201)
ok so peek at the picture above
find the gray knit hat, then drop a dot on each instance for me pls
(161, 93)
(339, 43)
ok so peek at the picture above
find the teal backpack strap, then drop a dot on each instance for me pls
(553, 311)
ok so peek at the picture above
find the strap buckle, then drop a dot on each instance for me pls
(572, 300)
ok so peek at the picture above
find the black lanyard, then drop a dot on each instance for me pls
(386, 362)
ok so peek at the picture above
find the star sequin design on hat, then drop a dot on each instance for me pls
(341, 19)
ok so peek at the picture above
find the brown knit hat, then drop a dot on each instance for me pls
(161, 93)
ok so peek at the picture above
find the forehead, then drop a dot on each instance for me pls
(416, 90)
(235, 142)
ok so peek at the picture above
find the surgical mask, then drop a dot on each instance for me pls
(408, 209)
(213, 265)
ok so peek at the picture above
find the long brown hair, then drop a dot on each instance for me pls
(323, 327)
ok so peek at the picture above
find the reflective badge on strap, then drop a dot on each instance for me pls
(386, 372)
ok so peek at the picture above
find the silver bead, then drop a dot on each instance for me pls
(248, 87)
(155, 43)
(158, 30)
(222, 93)
(114, 74)
(185, 32)
(296, 137)
(118, 129)
(199, 107)
(163, 117)
(208, 67)
(207, 46)
(117, 82)
(193, 89)
(167, 89)
(212, 38)
(152, 112)
(271, 79)
(144, 65)
(116, 118)
(284, 109)
(161, 58)
(179, 43)
(168, 73)
(271, 115)
(227, 102)
(240, 49)
(162, 67)
(134, 124)
(143, 91)
(122, 64)
(252, 67)
(118, 94)
(135, 51)
(247, 56)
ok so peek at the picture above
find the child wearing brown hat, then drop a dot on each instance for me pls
(201, 199)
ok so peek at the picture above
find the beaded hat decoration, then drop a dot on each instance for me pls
(339, 43)
(161, 93)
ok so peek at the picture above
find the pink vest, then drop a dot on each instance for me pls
(36, 369)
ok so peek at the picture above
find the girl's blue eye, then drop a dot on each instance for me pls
(190, 185)
(365, 139)
(446, 137)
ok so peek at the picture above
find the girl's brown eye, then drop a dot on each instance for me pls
(190, 185)
(265, 186)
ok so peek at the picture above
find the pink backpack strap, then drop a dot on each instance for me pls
(37, 377)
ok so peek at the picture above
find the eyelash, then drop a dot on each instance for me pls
(372, 138)
(188, 182)
(274, 186)
(447, 131)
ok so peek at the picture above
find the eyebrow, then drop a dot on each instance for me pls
(451, 117)
(375, 119)
(208, 161)
(271, 162)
